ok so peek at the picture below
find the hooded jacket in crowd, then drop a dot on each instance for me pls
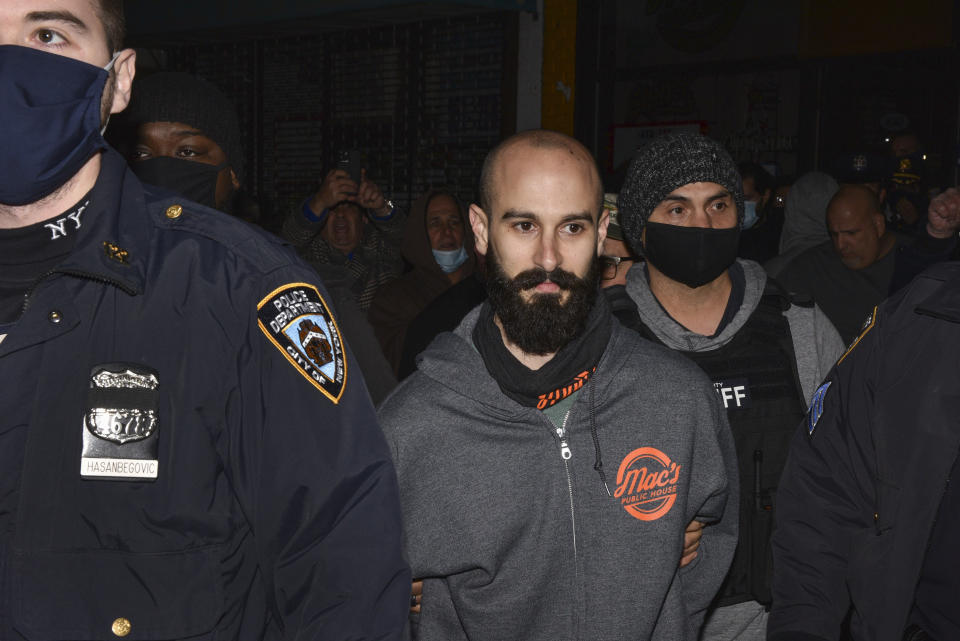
(804, 218)
(815, 341)
(396, 305)
(513, 541)
(756, 362)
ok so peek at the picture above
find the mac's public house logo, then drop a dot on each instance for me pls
(647, 483)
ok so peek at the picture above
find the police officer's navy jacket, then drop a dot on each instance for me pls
(867, 470)
(200, 459)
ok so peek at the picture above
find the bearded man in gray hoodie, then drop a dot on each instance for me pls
(682, 202)
(511, 518)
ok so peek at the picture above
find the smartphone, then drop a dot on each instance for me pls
(350, 162)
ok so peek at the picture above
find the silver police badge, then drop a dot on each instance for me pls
(120, 423)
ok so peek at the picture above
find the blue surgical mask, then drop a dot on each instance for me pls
(450, 261)
(49, 121)
(749, 214)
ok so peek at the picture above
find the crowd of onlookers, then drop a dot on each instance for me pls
(842, 239)
(701, 403)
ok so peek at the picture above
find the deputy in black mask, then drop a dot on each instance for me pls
(682, 202)
(185, 137)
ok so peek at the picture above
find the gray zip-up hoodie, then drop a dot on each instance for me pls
(514, 541)
(816, 343)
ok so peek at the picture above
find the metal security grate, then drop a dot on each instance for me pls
(420, 101)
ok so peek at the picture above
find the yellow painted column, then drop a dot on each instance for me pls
(559, 64)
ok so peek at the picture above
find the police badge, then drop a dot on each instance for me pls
(120, 424)
(298, 322)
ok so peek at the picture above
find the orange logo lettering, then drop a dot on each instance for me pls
(647, 483)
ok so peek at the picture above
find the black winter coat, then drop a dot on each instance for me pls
(867, 469)
(201, 457)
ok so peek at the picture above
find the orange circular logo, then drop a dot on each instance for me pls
(647, 483)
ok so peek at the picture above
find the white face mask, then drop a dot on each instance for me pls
(749, 214)
(450, 261)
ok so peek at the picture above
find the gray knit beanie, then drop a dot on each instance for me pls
(179, 97)
(668, 162)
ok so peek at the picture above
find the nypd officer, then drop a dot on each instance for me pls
(869, 511)
(682, 203)
(186, 448)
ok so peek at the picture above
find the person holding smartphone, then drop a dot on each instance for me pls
(348, 223)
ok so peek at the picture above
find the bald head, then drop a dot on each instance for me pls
(536, 139)
(857, 227)
(859, 198)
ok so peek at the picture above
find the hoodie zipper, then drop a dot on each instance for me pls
(566, 454)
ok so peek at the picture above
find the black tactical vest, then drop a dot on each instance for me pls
(756, 377)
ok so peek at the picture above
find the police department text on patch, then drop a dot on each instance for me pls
(298, 322)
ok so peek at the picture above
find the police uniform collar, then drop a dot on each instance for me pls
(112, 243)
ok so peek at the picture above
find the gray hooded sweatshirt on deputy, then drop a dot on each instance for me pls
(514, 542)
(816, 343)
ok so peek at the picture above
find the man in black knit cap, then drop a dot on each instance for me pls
(682, 203)
(185, 138)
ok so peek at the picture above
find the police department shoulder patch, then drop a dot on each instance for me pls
(816, 407)
(298, 321)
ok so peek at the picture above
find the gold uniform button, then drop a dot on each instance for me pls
(121, 627)
(174, 211)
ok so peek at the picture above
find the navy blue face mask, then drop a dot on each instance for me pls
(49, 121)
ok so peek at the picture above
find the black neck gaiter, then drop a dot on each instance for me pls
(568, 369)
(27, 253)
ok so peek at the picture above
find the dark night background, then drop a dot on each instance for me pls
(424, 89)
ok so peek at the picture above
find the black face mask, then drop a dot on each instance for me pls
(693, 256)
(194, 180)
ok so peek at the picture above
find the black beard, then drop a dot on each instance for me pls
(543, 325)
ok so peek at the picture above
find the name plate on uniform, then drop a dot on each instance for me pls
(121, 423)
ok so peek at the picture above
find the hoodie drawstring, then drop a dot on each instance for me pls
(598, 462)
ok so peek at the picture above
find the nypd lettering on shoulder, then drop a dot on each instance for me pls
(297, 320)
